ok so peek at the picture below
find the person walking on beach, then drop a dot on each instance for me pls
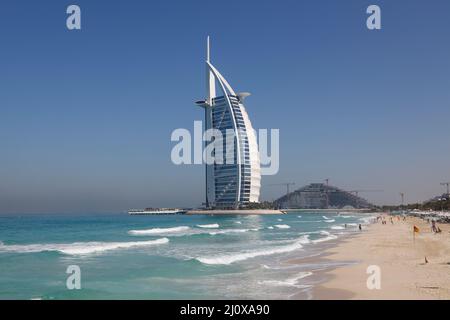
(433, 226)
(360, 227)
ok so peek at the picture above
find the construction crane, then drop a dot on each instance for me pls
(287, 184)
(403, 198)
(356, 192)
(446, 184)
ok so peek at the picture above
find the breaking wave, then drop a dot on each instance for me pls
(328, 237)
(208, 226)
(231, 231)
(282, 226)
(240, 256)
(158, 231)
(367, 220)
(80, 248)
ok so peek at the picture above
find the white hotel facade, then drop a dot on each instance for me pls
(235, 185)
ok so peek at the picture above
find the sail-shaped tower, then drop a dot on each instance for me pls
(236, 181)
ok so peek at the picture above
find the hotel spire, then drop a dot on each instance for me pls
(210, 79)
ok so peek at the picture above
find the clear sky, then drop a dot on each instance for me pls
(86, 116)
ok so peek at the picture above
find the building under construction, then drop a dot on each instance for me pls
(321, 196)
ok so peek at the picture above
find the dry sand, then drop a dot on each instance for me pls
(404, 273)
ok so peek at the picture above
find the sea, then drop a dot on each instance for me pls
(118, 256)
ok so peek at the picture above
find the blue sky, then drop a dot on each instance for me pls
(86, 116)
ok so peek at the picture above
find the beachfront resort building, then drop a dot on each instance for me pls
(321, 196)
(234, 179)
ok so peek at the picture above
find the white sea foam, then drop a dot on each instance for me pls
(311, 221)
(208, 226)
(278, 267)
(282, 226)
(328, 237)
(330, 221)
(279, 219)
(231, 231)
(299, 216)
(238, 222)
(240, 256)
(80, 248)
(346, 217)
(337, 227)
(158, 231)
(325, 217)
(293, 281)
(309, 232)
(367, 220)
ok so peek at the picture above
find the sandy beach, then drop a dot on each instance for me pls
(400, 257)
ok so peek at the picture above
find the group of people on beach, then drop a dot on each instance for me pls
(434, 227)
(383, 220)
(391, 219)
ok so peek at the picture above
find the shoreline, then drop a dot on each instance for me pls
(400, 257)
(321, 273)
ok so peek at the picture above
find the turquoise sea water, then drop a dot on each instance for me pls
(166, 257)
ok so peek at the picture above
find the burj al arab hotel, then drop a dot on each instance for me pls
(230, 185)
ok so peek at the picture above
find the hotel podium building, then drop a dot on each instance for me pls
(229, 184)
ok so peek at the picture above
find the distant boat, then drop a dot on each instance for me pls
(156, 211)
